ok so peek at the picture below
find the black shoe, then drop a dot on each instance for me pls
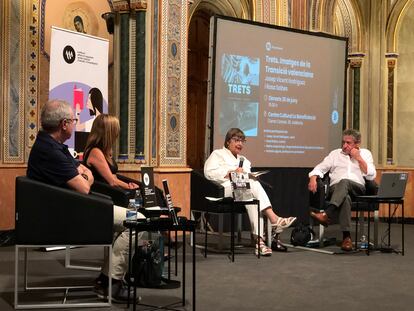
(101, 281)
(277, 246)
(119, 292)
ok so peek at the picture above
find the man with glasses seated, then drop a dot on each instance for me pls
(219, 166)
(51, 162)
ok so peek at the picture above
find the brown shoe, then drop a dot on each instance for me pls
(322, 218)
(346, 244)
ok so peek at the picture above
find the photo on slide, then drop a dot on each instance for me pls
(243, 115)
(238, 69)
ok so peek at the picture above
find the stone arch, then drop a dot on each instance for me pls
(348, 22)
(321, 15)
(394, 22)
(199, 14)
(400, 62)
(234, 8)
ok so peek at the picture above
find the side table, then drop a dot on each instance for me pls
(162, 224)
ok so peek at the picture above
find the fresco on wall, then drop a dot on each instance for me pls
(81, 16)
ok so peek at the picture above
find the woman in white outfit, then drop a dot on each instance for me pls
(218, 167)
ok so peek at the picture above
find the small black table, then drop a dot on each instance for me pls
(229, 205)
(149, 225)
(373, 200)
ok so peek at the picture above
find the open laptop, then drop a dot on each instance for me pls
(392, 186)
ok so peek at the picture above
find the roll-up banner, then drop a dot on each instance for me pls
(79, 75)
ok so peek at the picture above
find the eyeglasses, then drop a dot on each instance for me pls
(239, 140)
(74, 121)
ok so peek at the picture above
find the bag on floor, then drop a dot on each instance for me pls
(148, 264)
(301, 235)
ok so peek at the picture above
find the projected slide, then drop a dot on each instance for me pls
(284, 89)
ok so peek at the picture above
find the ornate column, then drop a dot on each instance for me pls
(123, 84)
(140, 79)
(172, 87)
(391, 63)
(131, 82)
(354, 107)
(19, 73)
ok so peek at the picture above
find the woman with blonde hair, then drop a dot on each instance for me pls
(98, 151)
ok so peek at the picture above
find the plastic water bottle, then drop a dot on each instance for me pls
(131, 213)
(364, 242)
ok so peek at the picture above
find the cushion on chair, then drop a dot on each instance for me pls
(47, 214)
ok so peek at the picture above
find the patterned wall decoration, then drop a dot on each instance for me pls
(299, 14)
(258, 10)
(33, 73)
(345, 18)
(154, 93)
(2, 66)
(19, 71)
(274, 12)
(132, 87)
(173, 91)
(266, 14)
(282, 9)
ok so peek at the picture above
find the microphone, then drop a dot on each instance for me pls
(241, 161)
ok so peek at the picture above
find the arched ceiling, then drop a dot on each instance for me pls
(234, 8)
(394, 22)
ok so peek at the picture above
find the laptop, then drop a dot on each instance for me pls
(392, 186)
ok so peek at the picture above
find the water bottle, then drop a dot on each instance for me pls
(131, 213)
(364, 242)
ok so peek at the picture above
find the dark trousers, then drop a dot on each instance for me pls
(340, 199)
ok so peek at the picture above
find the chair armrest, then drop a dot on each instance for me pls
(207, 187)
(50, 215)
(101, 195)
(317, 199)
(119, 196)
(202, 187)
(371, 187)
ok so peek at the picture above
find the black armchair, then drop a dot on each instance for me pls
(201, 187)
(48, 216)
(318, 201)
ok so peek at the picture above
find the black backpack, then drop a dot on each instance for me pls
(301, 235)
(148, 264)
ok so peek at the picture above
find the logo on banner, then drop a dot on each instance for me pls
(69, 54)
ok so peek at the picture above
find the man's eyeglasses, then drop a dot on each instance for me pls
(74, 121)
(239, 140)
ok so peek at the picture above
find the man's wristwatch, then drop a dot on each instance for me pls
(85, 176)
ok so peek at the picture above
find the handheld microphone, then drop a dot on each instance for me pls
(241, 161)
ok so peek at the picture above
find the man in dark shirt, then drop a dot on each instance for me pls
(51, 162)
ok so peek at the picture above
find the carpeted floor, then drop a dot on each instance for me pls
(296, 280)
